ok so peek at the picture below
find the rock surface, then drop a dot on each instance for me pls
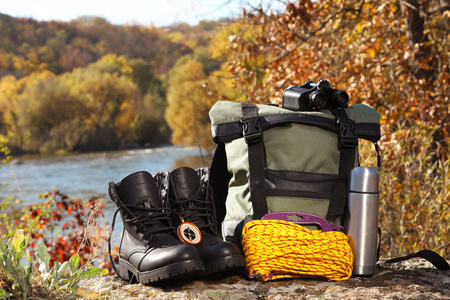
(413, 279)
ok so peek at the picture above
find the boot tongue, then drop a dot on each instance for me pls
(139, 188)
(185, 182)
(187, 200)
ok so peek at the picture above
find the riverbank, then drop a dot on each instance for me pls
(86, 175)
(413, 279)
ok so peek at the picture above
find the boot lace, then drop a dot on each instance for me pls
(197, 209)
(147, 220)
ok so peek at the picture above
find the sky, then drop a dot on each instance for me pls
(156, 13)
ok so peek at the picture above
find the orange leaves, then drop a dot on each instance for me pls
(302, 10)
(363, 48)
(70, 218)
(366, 48)
(35, 213)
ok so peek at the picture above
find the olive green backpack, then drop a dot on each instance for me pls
(271, 159)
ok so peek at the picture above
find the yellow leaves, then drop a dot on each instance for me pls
(19, 236)
(188, 96)
(28, 65)
(9, 89)
(68, 106)
(369, 55)
(176, 37)
(4, 63)
(125, 117)
(392, 8)
(19, 242)
(111, 62)
(225, 40)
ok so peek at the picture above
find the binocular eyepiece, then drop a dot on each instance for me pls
(312, 96)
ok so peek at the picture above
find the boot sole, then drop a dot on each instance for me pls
(183, 268)
(227, 263)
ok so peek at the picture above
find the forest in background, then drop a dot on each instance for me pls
(89, 85)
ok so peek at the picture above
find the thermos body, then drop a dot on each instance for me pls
(362, 219)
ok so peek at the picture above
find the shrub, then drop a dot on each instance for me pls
(39, 279)
(414, 192)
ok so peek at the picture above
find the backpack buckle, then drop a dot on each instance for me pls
(252, 131)
(347, 133)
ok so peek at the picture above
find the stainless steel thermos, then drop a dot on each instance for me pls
(362, 219)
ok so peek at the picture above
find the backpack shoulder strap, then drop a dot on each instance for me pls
(220, 177)
(253, 135)
(347, 142)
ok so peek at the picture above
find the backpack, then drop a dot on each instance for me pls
(271, 159)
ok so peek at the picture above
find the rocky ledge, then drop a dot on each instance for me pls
(413, 279)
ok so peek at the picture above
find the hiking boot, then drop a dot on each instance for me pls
(149, 250)
(193, 212)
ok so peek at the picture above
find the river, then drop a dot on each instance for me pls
(84, 176)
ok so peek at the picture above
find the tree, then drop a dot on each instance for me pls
(189, 99)
(393, 55)
(108, 95)
(361, 46)
(149, 126)
(44, 104)
(197, 81)
(87, 109)
(10, 87)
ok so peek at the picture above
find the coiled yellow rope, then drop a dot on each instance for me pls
(278, 249)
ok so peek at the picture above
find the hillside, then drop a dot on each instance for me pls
(62, 46)
(104, 84)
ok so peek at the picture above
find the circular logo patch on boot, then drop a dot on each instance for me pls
(188, 233)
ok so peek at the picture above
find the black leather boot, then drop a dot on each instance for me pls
(149, 250)
(192, 203)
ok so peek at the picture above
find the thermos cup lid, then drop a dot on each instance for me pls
(363, 180)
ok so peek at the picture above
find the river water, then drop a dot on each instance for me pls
(83, 176)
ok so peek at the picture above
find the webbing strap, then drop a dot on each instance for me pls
(347, 141)
(218, 180)
(438, 261)
(253, 135)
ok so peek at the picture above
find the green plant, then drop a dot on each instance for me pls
(38, 280)
(78, 247)
(4, 150)
(65, 225)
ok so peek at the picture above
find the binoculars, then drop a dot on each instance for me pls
(313, 96)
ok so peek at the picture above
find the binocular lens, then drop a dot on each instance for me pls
(317, 99)
(341, 98)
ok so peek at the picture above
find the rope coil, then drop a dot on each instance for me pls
(276, 249)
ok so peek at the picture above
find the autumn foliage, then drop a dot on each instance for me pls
(118, 86)
(392, 55)
(66, 226)
(84, 85)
